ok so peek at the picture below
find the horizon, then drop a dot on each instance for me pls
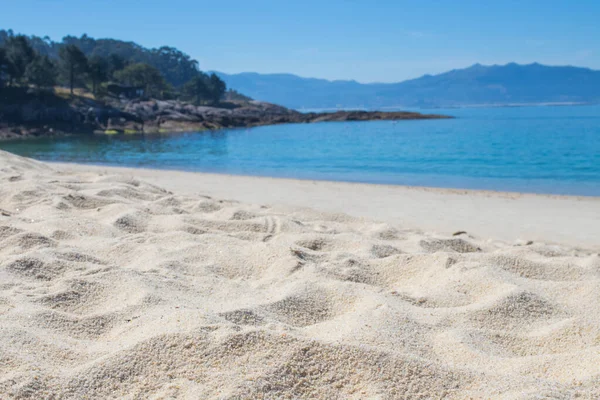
(344, 40)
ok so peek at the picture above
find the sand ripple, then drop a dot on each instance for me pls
(114, 288)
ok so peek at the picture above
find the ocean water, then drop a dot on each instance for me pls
(546, 149)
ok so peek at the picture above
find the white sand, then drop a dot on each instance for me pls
(115, 288)
(511, 217)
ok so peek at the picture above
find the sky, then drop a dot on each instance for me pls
(366, 41)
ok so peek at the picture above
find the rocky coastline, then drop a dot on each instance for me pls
(80, 115)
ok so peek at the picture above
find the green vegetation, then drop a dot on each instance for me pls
(216, 88)
(98, 68)
(19, 54)
(204, 88)
(41, 72)
(104, 66)
(4, 65)
(144, 76)
(73, 64)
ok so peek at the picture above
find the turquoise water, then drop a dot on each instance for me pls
(530, 149)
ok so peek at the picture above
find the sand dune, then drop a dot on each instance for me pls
(115, 288)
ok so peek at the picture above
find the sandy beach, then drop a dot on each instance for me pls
(142, 284)
(512, 217)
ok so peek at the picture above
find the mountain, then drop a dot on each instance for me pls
(476, 85)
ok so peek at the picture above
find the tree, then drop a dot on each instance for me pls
(4, 66)
(97, 71)
(143, 75)
(115, 63)
(74, 64)
(41, 72)
(217, 88)
(85, 43)
(203, 88)
(4, 35)
(197, 89)
(176, 66)
(19, 54)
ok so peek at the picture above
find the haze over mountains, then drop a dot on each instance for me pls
(475, 85)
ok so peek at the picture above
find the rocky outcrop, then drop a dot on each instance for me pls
(45, 114)
(369, 116)
(82, 115)
(164, 115)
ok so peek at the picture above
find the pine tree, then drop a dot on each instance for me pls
(74, 64)
(41, 72)
(197, 89)
(19, 55)
(217, 88)
(97, 72)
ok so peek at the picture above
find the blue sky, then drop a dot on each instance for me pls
(369, 41)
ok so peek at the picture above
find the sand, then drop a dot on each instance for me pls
(571, 220)
(112, 287)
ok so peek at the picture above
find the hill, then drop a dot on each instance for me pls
(477, 85)
(176, 67)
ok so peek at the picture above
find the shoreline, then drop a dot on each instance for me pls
(8, 133)
(57, 116)
(492, 215)
(454, 190)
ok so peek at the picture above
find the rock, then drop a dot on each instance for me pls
(83, 115)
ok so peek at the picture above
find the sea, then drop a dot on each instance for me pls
(540, 149)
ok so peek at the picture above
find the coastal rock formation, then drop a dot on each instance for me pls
(48, 115)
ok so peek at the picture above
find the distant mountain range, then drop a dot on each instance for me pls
(475, 85)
